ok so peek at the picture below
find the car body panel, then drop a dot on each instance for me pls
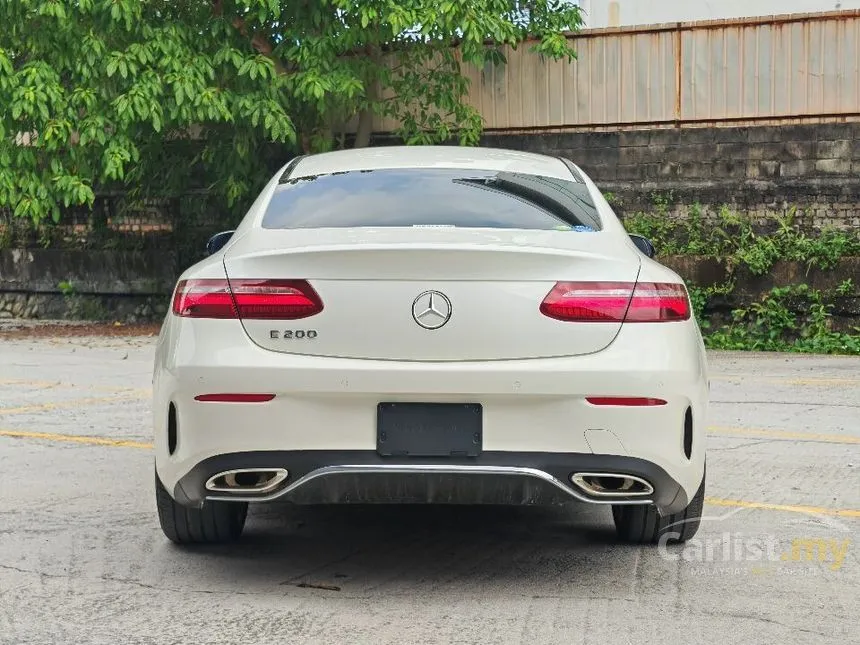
(372, 277)
(529, 405)
(388, 157)
(531, 374)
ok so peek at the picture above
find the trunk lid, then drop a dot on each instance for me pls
(431, 294)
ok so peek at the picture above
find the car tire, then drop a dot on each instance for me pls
(213, 523)
(644, 525)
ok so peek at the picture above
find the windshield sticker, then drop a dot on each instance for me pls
(576, 229)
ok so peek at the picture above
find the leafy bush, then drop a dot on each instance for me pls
(795, 318)
(156, 96)
(792, 318)
(741, 242)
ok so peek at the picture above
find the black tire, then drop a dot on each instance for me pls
(643, 525)
(214, 523)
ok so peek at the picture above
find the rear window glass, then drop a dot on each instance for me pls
(432, 197)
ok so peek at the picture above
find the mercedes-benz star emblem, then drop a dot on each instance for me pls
(431, 309)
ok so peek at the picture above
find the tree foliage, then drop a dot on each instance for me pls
(158, 96)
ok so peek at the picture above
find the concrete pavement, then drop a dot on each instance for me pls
(82, 559)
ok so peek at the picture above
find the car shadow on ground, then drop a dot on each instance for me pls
(362, 548)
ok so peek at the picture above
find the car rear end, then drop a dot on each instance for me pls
(398, 334)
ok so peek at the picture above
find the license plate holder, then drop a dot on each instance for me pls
(429, 429)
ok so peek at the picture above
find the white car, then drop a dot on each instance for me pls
(430, 325)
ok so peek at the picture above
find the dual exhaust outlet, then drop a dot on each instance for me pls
(608, 485)
(248, 480)
(262, 481)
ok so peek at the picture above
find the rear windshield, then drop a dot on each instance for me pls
(432, 197)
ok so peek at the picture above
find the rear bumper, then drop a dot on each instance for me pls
(327, 406)
(356, 476)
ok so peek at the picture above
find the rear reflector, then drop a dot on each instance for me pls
(234, 398)
(247, 299)
(632, 401)
(616, 302)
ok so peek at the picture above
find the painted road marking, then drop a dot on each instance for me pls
(788, 508)
(74, 386)
(785, 380)
(712, 430)
(71, 438)
(784, 434)
(130, 394)
(40, 384)
(71, 403)
(713, 501)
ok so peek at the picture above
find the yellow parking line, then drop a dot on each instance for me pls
(74, 386)
(71, 438)
(713, 501)
(783, 434)
(785, 380)
(40, 384)
(788, 508)
(71, 403)
(822, 381)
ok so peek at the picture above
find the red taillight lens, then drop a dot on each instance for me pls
(234, 398)
(628, 401)
(588, 301)
(275, 299)
(204, 299)
(246, 299)
(658, 302)
(616, 302)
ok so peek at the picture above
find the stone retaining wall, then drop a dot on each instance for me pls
(814, 168)
(109, 285)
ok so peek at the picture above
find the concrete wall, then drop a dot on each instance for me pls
(87, 271)
(143, 291)
(756, 169)
(96, 285)
(620, 13)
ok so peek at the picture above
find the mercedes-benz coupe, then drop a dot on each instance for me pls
(430, 325)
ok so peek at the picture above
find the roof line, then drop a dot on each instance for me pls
(289, 169)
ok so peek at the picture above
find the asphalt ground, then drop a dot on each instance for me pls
(82, 559)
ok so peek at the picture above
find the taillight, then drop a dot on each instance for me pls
(658, 302)
(234, 398)
(625, 401)
(616, 302)
(203, 299)
(246, 299)
(588, 301)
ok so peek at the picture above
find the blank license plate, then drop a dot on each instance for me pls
(429, 429)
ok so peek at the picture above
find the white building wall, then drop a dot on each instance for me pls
(619, 13)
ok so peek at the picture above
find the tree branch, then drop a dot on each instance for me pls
(364, 129)
(259, 42)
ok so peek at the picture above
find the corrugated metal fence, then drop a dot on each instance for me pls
(773, 68)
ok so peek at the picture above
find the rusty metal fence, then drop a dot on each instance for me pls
(775, 68)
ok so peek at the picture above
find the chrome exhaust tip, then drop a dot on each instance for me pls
(247, 480)
(612, 485)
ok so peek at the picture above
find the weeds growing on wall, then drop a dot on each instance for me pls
(79, 307)
(791, 318)
(795, 318)
(741, 241)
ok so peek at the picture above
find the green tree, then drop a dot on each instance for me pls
(162, 95)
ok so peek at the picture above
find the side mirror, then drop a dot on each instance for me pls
(644, 245)
(217, 241)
